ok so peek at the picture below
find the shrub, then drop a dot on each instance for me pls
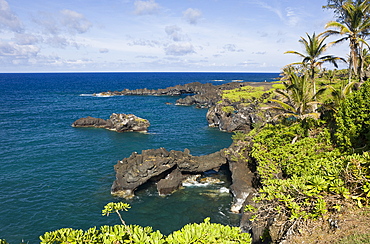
(352, 129)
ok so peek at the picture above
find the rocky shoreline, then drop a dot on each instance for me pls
(169, 169)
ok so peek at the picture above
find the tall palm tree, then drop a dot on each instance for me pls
(314, 48)
(296, 99)
(354, 27)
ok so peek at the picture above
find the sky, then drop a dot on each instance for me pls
(156, 35)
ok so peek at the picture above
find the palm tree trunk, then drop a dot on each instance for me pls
(314, 107)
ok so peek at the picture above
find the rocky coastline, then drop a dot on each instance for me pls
(170, 169)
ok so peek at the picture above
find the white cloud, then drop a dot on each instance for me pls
(48, 22)
(26, 39)
(287, 15)
(103, 50)
(174, 32)
(75, 22)
(142, 42)
(14, 50)
(146, 7)
(192, 16)
(8, 19)
(292, 17)
(232, 48)
(179, 49)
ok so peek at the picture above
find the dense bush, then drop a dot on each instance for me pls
(352, 130)
(301, 172)
(205, 232)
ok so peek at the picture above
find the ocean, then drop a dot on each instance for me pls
(54, 176)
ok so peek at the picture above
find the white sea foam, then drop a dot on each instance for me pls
(94, 95)
(195, 184)
(224, 190)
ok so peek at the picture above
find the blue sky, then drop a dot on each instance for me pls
(156, 35)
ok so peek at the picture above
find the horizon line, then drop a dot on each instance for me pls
(35, 72)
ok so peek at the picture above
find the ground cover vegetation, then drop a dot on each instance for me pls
(313, 162)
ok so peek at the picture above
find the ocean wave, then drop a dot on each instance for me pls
(94, 95)
(195, 184)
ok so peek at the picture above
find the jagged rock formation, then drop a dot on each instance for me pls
(169, 168)
(202, 95)
(116, 122)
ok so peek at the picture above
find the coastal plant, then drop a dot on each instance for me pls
(352, 121)
(207, 232)
(117, 234)
(313, 56)
(296, 174)
(204, 232)
(115, 208)
(295, 101)
(304, 176)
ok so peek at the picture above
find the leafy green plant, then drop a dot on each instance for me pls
(352, 121)
(207, 232)
(115, 208)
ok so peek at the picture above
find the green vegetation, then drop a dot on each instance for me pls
(208, 233)
(354, 25)
(314, 160)
(245, 94)
(315, 47)
(205, 232)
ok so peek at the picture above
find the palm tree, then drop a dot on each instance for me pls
(296, 100)
(314, 48)
(330, 75)
(354, 27)
(339, 94)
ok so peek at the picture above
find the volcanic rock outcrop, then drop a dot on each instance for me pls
(201, 95)
(116, 122)
(170, 168)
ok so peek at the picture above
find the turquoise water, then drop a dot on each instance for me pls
(53, 175)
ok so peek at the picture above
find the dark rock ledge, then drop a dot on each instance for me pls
(170, 168)
(202, 95)
(243, 118)
(116, 122)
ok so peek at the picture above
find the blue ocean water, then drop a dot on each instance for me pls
(53, 175)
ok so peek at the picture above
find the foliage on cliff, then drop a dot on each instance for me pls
(352, 130)
(308, 169)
